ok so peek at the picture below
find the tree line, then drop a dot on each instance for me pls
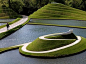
(29, 6)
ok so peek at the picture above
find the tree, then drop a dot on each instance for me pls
(9, 3)
(68, 2)
(3, 2)
(59, 1)
(17, 6)
(38, 3)
(83, 5)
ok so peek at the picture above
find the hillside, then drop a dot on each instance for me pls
(6, 12)
(59, 11)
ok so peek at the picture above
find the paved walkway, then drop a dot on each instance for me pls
(24, 19)
(72, 44)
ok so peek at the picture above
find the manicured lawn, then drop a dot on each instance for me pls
(59, 11)
(8, 48)
(43, 45)
(67, 51)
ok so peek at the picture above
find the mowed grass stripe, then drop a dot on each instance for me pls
(59, 11)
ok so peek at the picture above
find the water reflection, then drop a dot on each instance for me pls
(14, 57)
(3, 21)
(2, 24)
(6, 20)
(30, 32)
(61, 22)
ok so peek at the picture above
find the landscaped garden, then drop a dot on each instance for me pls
(51, 11)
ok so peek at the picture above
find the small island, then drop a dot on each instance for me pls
(53, 45)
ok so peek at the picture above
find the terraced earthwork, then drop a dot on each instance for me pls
(53, 45)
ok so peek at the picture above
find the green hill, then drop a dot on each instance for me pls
(59, 11)
(42, 44)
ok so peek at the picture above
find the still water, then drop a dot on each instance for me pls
(3, 21)
(2, 24)
(6, 20)
(28, 33)
(61, 22)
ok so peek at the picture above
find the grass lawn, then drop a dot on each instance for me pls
(8, 48)
(43, 45)
(59, 11)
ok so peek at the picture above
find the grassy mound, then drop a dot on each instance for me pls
(81, 46)
(43, 45)
(59, 11)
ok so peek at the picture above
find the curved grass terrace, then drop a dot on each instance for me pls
(59, 11)
(44, 47)
(47, 44)
(64, 52)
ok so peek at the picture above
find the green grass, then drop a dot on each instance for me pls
(59, 11)
(43, 45)
(81, 46)
(8, 48)
(68, 36)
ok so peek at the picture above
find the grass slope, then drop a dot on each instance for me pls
(59, 11)
(43, 45)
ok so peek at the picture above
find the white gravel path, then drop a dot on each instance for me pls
(56, 34)
(24, 19)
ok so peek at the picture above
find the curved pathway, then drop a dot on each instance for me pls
(24, 19)
(25, 45)
(56, 34)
